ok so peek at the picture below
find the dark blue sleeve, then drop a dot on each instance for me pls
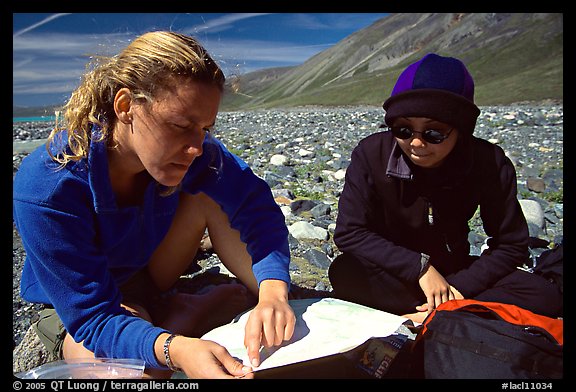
(64, 266)
(504, 223)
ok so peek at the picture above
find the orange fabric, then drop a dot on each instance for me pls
(510, 313)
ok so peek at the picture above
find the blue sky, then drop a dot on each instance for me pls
(50, 51)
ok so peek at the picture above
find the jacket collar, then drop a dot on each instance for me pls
(397, 164)
(99, 176)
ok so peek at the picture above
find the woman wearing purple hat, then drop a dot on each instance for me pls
(410, 191)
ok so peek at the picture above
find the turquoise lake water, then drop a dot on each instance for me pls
(33, 119)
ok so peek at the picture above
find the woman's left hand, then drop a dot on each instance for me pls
(271, 322)
(457, 294)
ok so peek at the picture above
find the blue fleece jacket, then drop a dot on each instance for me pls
(80, 246)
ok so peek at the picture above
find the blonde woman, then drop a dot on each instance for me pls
(113, 209)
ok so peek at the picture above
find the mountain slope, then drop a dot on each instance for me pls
(513, 57)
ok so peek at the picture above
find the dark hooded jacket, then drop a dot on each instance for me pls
(391, 211)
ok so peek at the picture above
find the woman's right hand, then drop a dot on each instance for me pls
(436, 289)
(205, 359)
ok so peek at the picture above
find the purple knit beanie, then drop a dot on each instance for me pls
(435, 87)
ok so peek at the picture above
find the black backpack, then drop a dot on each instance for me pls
(487, 340)
(550, 264)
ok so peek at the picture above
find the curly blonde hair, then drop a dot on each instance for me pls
(150, 63)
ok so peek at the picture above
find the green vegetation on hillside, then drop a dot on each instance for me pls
(515, 58)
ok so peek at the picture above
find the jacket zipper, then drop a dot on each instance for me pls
(447, 245)
(430, 214)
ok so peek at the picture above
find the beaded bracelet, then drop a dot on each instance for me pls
(167, 353)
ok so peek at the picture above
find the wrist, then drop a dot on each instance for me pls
(424, 264)
(273, 288)
(166, 348)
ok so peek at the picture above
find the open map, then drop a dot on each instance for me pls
(324, 326)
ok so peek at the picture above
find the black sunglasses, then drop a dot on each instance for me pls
(431, 136)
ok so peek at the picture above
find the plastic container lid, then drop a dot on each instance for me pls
(87, 369)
